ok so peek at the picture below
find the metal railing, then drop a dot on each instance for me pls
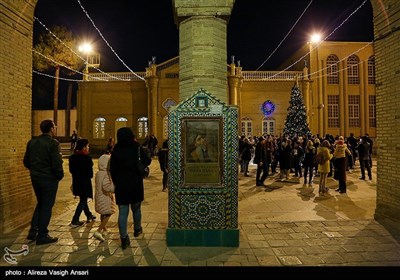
(271, 75)
(247, 75)
(115, 76)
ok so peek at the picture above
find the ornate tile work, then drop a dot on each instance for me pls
(203, 206)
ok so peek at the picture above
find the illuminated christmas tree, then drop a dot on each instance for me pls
(296, 119)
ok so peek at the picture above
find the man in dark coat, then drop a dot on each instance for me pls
(363, 149)
(128, 183)
(43, 159)
(257, 159)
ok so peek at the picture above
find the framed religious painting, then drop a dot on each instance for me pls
(202, 149)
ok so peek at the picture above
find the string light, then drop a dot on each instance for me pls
(54, 77)
(340, 25)
(65, 66)
(58, 39)
(360, 49)
(285, 36)
(338, 71)
(141, 78)
(104, 39)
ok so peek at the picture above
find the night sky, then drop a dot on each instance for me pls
(138, 30)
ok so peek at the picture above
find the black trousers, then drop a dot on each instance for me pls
(45, 191)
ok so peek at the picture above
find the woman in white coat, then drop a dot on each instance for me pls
(104, 201)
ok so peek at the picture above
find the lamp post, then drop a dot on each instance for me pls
(86, 48)
(315, 42)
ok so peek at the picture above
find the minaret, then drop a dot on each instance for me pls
(203, 194)
(202, 46)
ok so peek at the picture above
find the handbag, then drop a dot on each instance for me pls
(141, 169)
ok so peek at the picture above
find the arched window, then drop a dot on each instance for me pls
(143, 128)
(247, 127)
(353, 70)
(332, 69)
(99, 128)
(371, 70)
(120, 122)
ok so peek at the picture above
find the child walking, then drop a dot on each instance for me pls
(104, 201)
(81, 168)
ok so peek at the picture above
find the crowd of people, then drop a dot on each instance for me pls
(299, 155)
(119, 185)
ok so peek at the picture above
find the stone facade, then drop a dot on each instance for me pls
(39, 115)
(15, 109)
(16, 28)
(202, 46)
(387, 50)
(109, 100)
(246, 89)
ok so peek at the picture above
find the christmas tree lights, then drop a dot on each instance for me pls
(296, 119)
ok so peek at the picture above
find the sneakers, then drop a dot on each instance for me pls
(125, 242)
(99, 236)
(76, 224)
(137, 232)
(91, 219)
(46, 240)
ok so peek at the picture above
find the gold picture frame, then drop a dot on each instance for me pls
(202, 149)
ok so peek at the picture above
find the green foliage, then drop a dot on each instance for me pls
(57, 50)
(296, 119)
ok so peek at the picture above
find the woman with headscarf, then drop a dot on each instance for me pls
(324, 167)
(340, 154)
(129, 191)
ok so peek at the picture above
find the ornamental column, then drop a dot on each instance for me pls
(203, 132)
(202, 46)
(152, 97)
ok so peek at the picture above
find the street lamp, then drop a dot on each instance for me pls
(315, 38)
(86, 48)
(315, 41)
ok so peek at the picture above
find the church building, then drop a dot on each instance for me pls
(336, 79)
